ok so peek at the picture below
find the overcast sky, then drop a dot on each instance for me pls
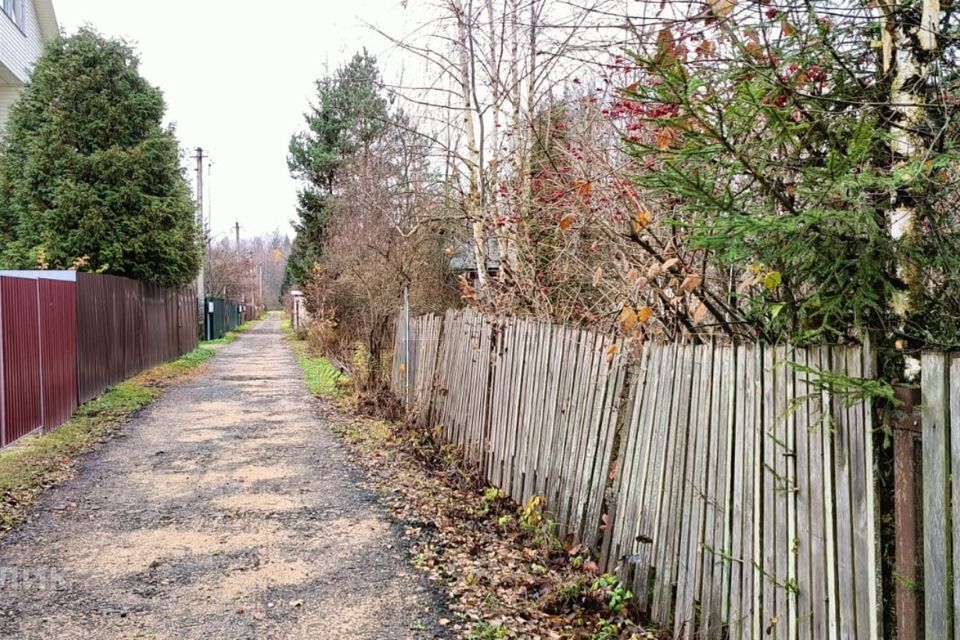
(238, 77)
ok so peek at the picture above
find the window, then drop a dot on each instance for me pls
(14, 9)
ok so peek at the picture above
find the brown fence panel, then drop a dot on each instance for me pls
(187, 321)
(109, 331)
(161, 334)
(58, 349)
(125, 327)
(20, 398)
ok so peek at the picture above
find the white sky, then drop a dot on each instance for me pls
(237, 77)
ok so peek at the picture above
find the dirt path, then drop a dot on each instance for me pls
(226, 511)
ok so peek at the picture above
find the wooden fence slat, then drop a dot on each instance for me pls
(802, 480)
(568, 367)
(710, 543)
(514, 399)
(755, 498)
(874, 586)
(657, 481)
(817, 589)
(936, 461)
(843, 507)
(548, 431)
(769, 486)
(688, 528)
(566, 431)
(625, 463)
(604, 450)
(672, 498)
(501, 401)
(590, 426)
(791, 493)
(860, 514)
(724, 562)
(632, 544)
(782, 496)
(739, 518)
(584, 356)
(954, 394)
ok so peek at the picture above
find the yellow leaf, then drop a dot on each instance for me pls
(567, 221)
(644, 314)
(628, 318)
(722, 8)
(787, 28)
(641, 220)
(584, 188)
(612, 352)
(690, 283)
(772, 280)
(664, 138)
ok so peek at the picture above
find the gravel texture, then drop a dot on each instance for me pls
(225, 510)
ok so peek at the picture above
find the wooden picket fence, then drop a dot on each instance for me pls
(731, 486)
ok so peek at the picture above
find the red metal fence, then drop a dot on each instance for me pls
(19, 325)
(66, 337)
(58, 350)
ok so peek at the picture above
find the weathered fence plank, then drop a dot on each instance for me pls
(936, 460)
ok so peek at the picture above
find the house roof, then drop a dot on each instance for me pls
(47, 17)
(464, 259)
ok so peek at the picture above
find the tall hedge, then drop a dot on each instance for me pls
(89, 176)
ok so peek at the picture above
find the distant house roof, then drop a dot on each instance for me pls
(464, 258)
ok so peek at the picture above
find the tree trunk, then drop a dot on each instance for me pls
(474, 206)
(909, 50)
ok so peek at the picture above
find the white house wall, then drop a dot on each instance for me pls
(19, 49)
(7, 97)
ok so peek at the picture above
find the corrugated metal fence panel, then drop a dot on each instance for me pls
(109, 331)
(67, 337)
(96, 308)
(187, 320)
(58, 350)
(160, 340)
(20, 328)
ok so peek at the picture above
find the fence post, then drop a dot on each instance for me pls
(406, 348)
(906, 433)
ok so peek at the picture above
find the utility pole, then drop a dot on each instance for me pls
(201, 291)
(238, 238)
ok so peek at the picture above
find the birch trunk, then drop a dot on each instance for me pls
(908, 48)
(474, 206)
(493, 169)
(519, 147)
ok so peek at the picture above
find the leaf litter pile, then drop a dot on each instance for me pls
(507, 574)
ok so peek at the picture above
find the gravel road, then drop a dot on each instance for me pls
(225, 510)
